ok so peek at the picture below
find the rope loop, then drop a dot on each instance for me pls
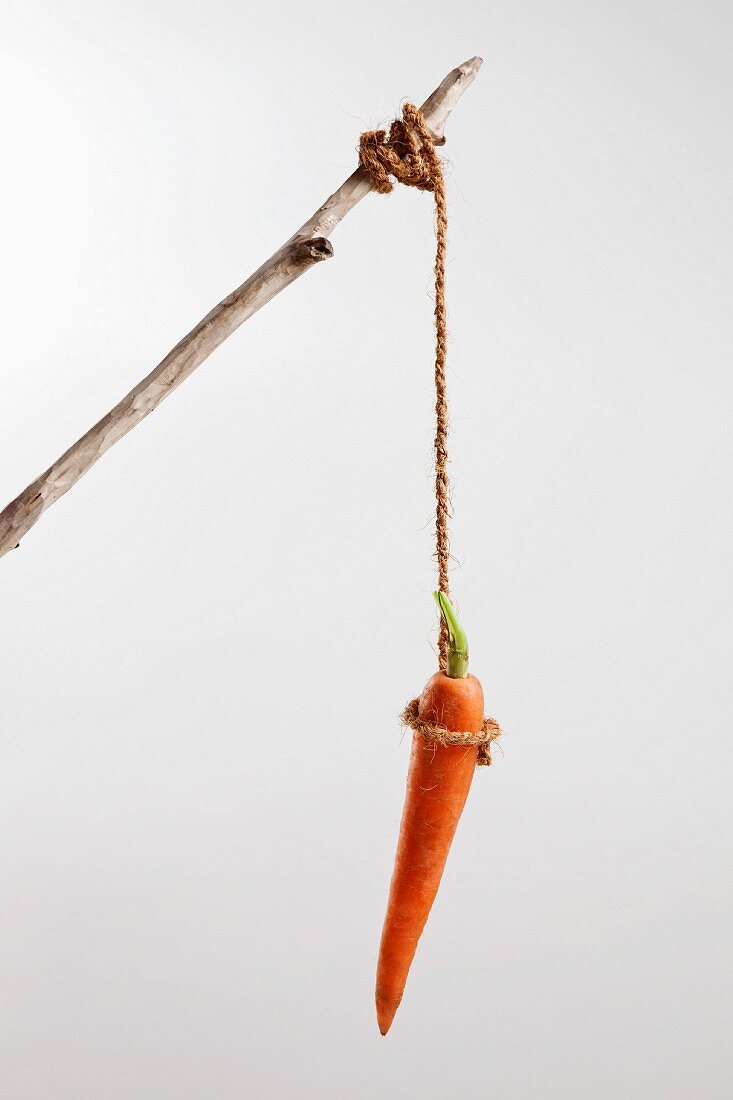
(441, 735)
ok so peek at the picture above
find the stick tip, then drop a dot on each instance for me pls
(438, 106)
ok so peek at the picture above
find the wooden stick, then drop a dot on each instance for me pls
(304, 249)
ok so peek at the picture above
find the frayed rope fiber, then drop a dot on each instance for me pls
(443, 736)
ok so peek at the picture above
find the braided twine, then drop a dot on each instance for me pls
(408, 154)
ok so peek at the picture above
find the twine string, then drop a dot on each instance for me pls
(407, 153)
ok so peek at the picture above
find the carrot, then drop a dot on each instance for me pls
(438, 781)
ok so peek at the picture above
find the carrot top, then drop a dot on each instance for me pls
(457, 662)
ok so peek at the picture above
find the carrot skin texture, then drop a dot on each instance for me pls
(438, 781)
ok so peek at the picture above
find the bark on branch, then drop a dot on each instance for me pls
(308, 246)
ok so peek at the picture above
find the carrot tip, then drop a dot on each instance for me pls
(385, 1016)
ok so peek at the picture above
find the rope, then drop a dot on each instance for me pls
(443, 736)
(408, 154)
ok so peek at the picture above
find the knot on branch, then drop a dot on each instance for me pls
(407, 153)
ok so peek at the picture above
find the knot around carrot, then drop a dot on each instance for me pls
(441, 735)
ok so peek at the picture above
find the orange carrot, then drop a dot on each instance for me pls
(438, 781)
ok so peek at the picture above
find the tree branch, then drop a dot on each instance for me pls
(308, 246)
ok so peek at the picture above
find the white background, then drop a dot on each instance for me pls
(206, 643)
